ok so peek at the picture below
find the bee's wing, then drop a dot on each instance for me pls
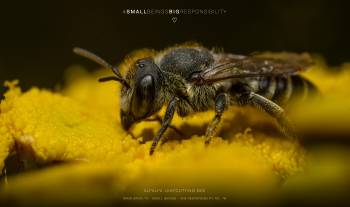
(264, 64)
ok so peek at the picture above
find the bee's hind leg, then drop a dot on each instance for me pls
(272, 109)
(220, 105)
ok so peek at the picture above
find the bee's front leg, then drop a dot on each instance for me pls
(169, 114)
(220, 105)
(158, 119)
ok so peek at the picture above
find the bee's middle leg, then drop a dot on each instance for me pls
(220, 105)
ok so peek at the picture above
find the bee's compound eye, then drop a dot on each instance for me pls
(143, 98)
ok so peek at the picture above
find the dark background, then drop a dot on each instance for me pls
(37, 36)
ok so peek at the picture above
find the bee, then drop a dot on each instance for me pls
(191, 79)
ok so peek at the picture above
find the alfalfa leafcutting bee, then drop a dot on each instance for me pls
(192, 78)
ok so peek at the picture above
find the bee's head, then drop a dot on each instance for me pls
(141, 99)
(140, 92)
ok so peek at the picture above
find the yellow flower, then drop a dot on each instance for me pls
(80, 126)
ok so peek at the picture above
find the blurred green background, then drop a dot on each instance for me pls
(37, 36)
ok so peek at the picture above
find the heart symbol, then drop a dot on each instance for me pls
(174, 19)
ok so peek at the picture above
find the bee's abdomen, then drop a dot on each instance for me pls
(282, 89)
(302, 88)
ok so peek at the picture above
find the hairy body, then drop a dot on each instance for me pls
(191, 79)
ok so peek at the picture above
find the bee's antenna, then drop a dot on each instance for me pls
(91, 56)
